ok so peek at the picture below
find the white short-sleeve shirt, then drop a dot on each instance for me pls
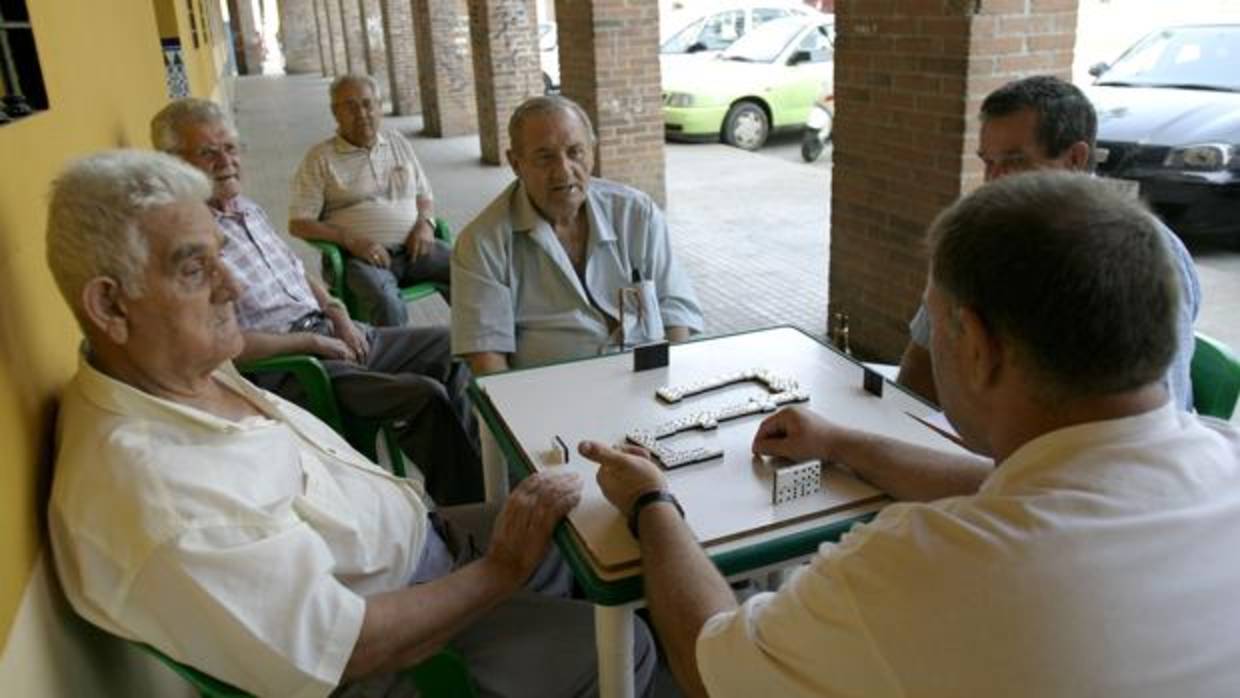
(246, 548)
(1097, 560)
(515, 292)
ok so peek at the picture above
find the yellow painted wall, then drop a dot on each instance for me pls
(104, 75)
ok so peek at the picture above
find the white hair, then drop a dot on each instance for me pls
(94, 214)
(167, 124)
(354, 79)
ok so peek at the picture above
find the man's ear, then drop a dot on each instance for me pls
(103, 305)
(981, 348)
(513, 162)
(1078, 156)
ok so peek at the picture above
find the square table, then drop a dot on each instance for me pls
(727, 500)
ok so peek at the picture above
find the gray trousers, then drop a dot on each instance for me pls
(378, 290)
(410, 379)
(537, 644)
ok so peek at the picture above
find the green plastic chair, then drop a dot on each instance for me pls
(333, 274)
(1215, 373)
(442, 676)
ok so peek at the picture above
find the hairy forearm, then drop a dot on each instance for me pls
(404, 627)
(677, 334)
(484, 362)
(260, 345)
(307, 229)
(906, 471)
(683, 590)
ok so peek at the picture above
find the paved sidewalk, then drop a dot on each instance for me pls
(754, 262)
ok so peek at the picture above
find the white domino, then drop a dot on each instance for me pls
(772, 382)
(796, 481)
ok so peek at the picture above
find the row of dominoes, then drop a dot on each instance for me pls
(773, 383)
(796, 481)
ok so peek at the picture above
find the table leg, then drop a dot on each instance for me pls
(613, 635)
(494, 466)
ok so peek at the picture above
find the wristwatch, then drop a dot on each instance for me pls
(646, 500)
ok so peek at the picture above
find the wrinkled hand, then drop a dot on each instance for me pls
(420, 239)
(795, 433)
(328, 347)
(349, 333)
(624, 473)
(522, 531)
(367, 250)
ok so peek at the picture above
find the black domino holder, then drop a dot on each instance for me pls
(652, 355)
(872, 382)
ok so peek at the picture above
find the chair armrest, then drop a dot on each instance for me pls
(313, 378)
(443, 231)
(333, 265)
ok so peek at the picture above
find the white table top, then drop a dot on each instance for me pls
(725, 499)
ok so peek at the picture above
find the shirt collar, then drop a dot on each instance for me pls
(1049, 452)
(343, 146)
(241, 207)
(526, 218)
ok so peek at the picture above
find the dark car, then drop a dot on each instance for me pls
(1169, 119)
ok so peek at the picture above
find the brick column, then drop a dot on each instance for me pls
(504, 41)
(609, 63)
(376, 47)
(402, 57)
(354, 39)
(246, 28)
(335, 28)
(298, 37)
(909, 78)
(445, 68)
(324, 37)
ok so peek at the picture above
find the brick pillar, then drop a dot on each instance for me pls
(324, 38)
(909, 79)
(335, 27)
(445, 68)
(298, 36)
(504, 41)
(402, 56)
(354, 39)
(376, 47)
(609, 63)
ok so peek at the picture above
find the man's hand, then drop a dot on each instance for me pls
(327, 347)
(522, 531)
(795, 433)
(367, 250)
(421, 239)
(349, 333)
(624, 474)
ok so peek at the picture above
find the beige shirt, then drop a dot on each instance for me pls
(1097, 560)
(371, 192)
(244, 547)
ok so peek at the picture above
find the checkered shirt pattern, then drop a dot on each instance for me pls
(272, 280)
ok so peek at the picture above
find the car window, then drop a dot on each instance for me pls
(1204, 57)
(681, 40)
(722, 29)
(762, 15)
(818, 43)
(765, 44)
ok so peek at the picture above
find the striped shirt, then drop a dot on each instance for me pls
(272, 280)
(371, 192)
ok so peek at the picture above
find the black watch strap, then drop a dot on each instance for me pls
(646, 500)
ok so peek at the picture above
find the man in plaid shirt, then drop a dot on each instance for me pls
(402, 374)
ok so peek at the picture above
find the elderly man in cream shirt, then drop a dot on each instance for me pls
(235, 532)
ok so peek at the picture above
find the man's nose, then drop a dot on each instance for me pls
(226, 288)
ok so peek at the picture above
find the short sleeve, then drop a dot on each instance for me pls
(261, 611)
(482, 310)
(678, 303)
(919, 328)
(306, 194)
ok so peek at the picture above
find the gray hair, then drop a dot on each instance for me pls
(1076, 277)
(544, 104)
(94, 214)
(166, 125)
(354, 79)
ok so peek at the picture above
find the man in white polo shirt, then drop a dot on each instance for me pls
(364, 190)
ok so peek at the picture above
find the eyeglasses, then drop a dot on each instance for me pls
(215, 152)
(364, 104)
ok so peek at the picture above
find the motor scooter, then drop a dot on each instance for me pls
(817, 132)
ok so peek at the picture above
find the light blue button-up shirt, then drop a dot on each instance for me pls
(515, 292)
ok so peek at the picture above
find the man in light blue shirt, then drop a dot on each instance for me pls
(1041, 122)
(537, 276)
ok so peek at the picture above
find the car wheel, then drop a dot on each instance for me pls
(811, 145)
(547, 87)
(746, 126)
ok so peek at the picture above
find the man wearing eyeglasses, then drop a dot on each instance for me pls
(364, 190)
(402, 374)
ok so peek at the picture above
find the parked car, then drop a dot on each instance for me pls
(1169, 120)
(707, 32)
(767, 80)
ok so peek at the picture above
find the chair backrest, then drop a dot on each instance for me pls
(1215, 373)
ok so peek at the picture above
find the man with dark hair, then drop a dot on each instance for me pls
(1040, 123)
(1092, 555)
